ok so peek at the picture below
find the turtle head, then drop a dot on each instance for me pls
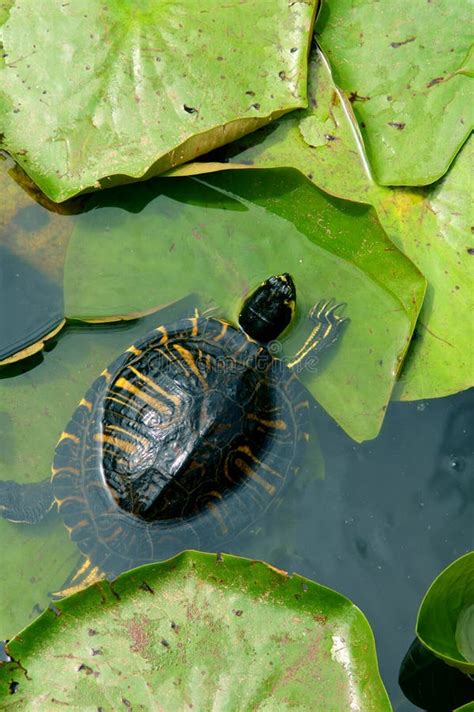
(269, 309)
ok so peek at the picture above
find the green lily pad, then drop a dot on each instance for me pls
(106, 93)
(445, 622)
(222, 238)
(188, 632)
(336, 164)
(406, 67)
(431, 226)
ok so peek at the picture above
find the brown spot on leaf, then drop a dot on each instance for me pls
(436, 80)
(354, 96)
(399, 125)
(86, 669)
(139, 637)
(396, 45)
(146, 586)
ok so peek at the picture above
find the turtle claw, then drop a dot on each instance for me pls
(328, 310)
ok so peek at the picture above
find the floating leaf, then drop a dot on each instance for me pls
(406, 68)
(31, 270)
(431, 226)
(221, 239)
(97, 94)
(338, 165)
(187, 632)
(445, 621)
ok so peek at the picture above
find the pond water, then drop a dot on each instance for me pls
(376, 521)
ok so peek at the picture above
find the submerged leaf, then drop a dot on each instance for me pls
(199, 631)
(147, 246)
(407, 68)
(94, 94)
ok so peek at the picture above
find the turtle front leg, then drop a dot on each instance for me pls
(25, 503)
(327, 325)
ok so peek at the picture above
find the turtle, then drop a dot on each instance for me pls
(191, 432)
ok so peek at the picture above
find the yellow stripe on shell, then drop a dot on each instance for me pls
(247, 470)
(133, 350)
(194, 330)
(162, 330)
(276, 424)
(189, 359)
(131, 433)
(140, 393)
(68, 436)
(122, 401)
(87, 404)
(223, 331)
(214, 510)
(150, 382)
(116, 442)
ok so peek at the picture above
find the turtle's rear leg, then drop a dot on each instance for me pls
(25, 503)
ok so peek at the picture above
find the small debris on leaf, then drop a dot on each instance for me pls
(146, 587)
(13, 686)
(85, 668)
(396, 45)
(399, 125)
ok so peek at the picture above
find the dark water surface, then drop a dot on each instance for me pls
(389, 516)
(386, 518)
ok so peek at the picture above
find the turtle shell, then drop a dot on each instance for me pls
(186, 438)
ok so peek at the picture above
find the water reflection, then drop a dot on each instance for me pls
(452, 480)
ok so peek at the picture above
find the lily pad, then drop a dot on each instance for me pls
(406, 67)
(31, 270)
(151, 244)
(198, 631)
(445, 621)
(106, 93)
(431, 226)
(322, 141)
